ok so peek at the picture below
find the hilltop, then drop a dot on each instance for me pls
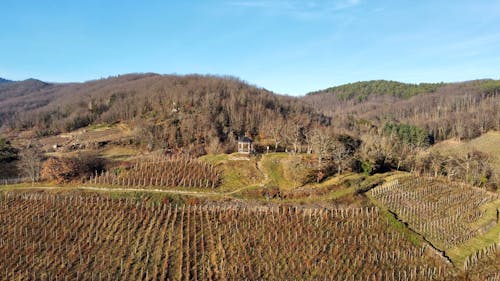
(208, 113)
(2, 80)
(370, 127)
(362, 90)
(235, 108)
(170, 111)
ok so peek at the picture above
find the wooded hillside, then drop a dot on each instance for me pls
(453, 110)
(171, 111)
(177, 111)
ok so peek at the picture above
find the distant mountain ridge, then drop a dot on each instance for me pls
(174, 106)
(2, 80)
(363, 89)
(447, 110)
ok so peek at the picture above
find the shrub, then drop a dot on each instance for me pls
(7, 152)
(59, 169)
(89, 164)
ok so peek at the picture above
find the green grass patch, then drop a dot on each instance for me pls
(238, 173)
(118, 153)
(28, 185)
(284, 170)
(398, 225)
(272, 165)
(100, 127)
(214, 159)
(402, 228)
(336, 194)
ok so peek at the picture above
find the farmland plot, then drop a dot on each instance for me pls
(447, 214)
(162, 173)
(77, 236)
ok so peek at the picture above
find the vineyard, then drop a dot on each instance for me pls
(446, 214)
(83, 236)
(162, 173)
(485, 264)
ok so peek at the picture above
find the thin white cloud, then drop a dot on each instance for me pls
(298, 8)
(341, 5)
(252, 4)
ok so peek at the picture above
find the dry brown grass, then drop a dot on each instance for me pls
(488, 143)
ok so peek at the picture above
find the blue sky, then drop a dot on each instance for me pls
(287, 46)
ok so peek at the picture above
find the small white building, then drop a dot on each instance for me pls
(245, 145)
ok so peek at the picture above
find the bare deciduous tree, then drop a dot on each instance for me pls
(322, 143)
(276, 130)
(30, 160)
(340, 155)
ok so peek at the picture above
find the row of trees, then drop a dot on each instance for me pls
(404, 148)
(394, 147)
(470, 167)
(19, 162)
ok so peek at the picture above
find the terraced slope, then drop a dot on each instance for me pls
(458, 219)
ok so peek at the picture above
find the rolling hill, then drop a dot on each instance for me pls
(98, 131)
(171, 111)
(178, 111)
(446, 110)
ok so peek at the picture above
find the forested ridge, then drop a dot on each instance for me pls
(171, 111)
(227, 107)
(369, 127)
(446, 110)
(360, 91)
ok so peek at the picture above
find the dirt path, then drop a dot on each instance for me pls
(259, 167)
(261, 184)
(107, 189)
(183, 192)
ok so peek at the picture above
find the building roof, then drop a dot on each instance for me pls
(245, 140)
